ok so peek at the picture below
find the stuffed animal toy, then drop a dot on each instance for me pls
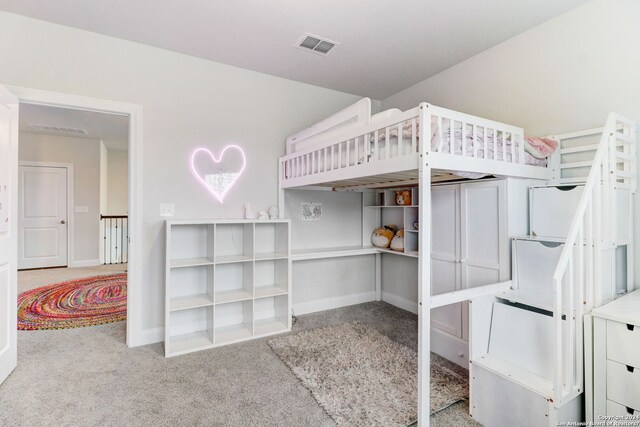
(382, 236)
(397, 243)
(403, 198)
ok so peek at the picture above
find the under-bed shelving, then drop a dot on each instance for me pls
(226, 281)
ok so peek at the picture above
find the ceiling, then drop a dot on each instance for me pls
(385, 45)
(112, 129)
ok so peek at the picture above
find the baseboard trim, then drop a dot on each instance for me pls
(148, 336)
(335, 302)
(403, 303)
(85, 263)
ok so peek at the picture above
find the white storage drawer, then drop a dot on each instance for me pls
(552, 209)
(535, 262)
(623, 343)
(616, 409)
(623, 384)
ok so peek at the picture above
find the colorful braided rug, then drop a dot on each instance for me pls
(84, 302)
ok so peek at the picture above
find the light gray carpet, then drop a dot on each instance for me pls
(88, 377)
(361, 377)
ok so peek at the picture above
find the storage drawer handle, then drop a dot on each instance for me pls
(630, 368)
(630, 411)
(630, 327)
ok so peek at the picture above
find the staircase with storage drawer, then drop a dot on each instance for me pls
(527, 344)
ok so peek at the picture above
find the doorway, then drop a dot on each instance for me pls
(132, 113)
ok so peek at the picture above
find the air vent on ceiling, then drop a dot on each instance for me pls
(316, 44)
(58, 129)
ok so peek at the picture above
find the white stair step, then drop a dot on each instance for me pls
(552, 208)
(531, 299)
(536, 383)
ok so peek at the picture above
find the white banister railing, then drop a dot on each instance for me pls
(578, 273)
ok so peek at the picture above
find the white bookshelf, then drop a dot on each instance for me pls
(380, 208)
(226, 281)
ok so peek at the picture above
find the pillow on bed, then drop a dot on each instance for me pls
(540, 148)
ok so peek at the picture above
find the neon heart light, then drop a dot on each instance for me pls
(218, 183)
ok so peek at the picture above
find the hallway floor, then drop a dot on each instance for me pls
(30, 279)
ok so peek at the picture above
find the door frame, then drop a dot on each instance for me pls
(135, 335)
(71, 258)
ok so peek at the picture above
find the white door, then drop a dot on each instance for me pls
(8, 230)
(42, 217)
(445, 250)
(483, 231)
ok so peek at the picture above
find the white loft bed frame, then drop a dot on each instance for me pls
(342, 152)
(351, 151)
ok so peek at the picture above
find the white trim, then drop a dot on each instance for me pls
(334, 302)
(71, 231)
(86, 263)
(134, 301)
(400, 302)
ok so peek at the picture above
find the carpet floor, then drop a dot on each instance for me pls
(88, 377)
(30, 279)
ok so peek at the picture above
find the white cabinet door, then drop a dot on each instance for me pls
(42, 217)
(8, 278)
(445, 255)
(483, 232)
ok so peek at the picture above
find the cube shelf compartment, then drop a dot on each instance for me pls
(226, 281)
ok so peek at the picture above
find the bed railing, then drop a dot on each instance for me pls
(592, 231)
(397, 138)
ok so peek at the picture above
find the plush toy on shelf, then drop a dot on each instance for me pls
(397, 243)
(403, 198)
(382, 236)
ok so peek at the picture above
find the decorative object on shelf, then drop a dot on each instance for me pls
(403, 197)
(311, 211)
(263, 215)
(247, 212)
(73, 304)
(214, 175)
(397, 243)
(382, 236)
(416, 225)
(273, 212)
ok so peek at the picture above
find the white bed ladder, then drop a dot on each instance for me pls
(579, 268)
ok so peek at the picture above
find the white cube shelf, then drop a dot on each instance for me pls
(271, 314)
(226, 281)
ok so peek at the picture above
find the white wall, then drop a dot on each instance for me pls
(563, 75)
(187, 102)
(117, 182)
(84, 154)
(566, 74)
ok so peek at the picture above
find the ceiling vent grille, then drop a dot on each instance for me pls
(58, 129)
(316, 44)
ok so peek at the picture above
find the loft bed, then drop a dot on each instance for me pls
(354, 150)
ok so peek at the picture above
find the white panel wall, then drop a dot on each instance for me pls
(84, 154)
(320, 284)
(117, 182)
(187, 102)
(563, 75)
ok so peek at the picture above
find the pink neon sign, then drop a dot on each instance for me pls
(220, 182)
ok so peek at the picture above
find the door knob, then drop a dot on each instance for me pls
(63, 222)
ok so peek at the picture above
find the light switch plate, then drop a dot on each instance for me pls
(167, 209)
